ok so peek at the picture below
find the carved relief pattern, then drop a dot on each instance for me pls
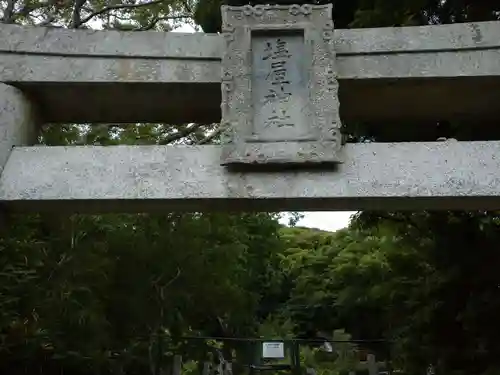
(256, 11)
(327, 85)
(228, 34)
(328, 32)
(232, 72)
(296, 10)
(227, 86)
(226, 132)
(261, 10)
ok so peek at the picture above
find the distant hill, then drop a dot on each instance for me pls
(307, 238)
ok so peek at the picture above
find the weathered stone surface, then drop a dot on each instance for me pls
(17, 121)
(82, 75)
(152, 44)
(436, 175)
(279, 86)
(110, 43)
(285, 119)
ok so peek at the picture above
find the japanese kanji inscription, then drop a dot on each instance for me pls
(279, 86)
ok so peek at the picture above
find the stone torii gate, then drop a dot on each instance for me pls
(284, 71)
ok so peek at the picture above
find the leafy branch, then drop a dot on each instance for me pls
(180, 134)
(8, 14)
(77, 22)
(210, 137)
(151, 25)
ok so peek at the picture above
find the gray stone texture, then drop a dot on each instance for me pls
(109, 43)
(18, 121)
(436, 175)
(152, 44)
(279, 85)
(82, 75)
(293, 70)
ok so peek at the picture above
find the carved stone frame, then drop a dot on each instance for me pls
(240, 144)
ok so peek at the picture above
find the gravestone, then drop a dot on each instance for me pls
(279, 86)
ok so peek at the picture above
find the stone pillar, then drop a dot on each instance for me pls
(372, 364)
(18, 121)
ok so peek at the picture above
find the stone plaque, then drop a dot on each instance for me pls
(279, 86)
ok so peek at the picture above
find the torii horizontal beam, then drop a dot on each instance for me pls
(399, 176)
(111, 76)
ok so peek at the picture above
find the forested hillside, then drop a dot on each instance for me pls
(91, 294)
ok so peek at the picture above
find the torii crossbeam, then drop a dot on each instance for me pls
(177, 78)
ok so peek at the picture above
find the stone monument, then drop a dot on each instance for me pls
(279, 86)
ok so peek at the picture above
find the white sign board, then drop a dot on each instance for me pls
(273, 350)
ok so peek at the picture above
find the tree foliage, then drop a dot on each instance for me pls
(373, 13)
(133, 15)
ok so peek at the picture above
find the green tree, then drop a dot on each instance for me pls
(372, 13)
(113, 282)
(161, 15)
(426, 282)
(451, 323)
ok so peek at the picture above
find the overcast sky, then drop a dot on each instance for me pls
(330, 221)
(186, 28)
